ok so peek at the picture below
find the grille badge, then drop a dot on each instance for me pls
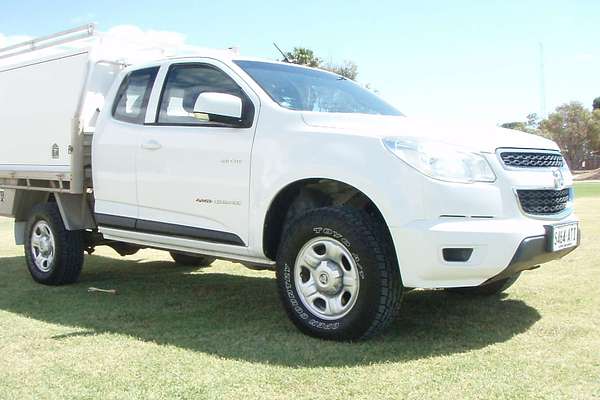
(559, 180)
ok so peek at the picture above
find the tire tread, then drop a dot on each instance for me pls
(68, 245)
(374, 235)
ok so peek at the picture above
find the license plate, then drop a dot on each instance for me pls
(563, 236)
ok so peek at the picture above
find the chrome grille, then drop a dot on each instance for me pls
(518, 159)
(543, 202)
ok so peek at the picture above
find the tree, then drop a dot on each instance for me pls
(595, 140)
(596, 104)
(575, 129)
(516, 125)
(529, 126)
(533, 121)
(347, 69)
(303, 56)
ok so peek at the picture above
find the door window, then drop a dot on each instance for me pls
(183, 85)
(133, 95)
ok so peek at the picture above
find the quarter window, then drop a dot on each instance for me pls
(133, 95)
(183, 85)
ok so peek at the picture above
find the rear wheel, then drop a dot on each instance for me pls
(192, 261)
(489, 289)
(54, 254)
(336, 275)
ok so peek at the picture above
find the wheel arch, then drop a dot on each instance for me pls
(74, 210)
(305, 194)
(25, 201)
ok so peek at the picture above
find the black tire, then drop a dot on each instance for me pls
(490, 289)
(67, 261)
(192, 261)
(380, 285)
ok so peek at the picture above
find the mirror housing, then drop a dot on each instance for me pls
(221, 105)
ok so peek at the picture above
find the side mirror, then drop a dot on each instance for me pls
(223, 106)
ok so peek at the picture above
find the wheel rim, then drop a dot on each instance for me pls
(326, 278)
(42, 246)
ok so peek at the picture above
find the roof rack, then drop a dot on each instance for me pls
(43, 42)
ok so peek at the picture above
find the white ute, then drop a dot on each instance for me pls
(213, 155)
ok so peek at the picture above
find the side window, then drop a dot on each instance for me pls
(133, 95)
(183, 85)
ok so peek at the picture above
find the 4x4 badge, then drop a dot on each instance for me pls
(559, 180)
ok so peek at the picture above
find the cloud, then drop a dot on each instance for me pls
(135, 45)
(584, 57)
(150, 37)
(127, 42)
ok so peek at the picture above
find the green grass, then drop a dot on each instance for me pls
(220, 332)
(587, 189)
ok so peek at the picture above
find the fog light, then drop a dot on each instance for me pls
(457, 254)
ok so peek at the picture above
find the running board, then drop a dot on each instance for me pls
(221, 251)
(166, 229)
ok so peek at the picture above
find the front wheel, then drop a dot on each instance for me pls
(337, 276)
(54, 254)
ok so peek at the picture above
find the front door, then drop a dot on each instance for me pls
(193, 172)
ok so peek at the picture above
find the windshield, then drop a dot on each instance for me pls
(306, 89)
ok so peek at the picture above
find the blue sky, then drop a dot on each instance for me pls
(475, 60)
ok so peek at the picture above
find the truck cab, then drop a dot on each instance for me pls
(213, 155)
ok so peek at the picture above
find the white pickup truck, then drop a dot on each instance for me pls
(272, 165)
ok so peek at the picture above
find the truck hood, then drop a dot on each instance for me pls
(473, 137)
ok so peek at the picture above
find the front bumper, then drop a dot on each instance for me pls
(486, 218)
(501, 247)
(531, 253)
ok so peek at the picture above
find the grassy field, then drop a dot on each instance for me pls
(220, 332)
(587, 189)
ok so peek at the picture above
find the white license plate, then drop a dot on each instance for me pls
(563, 236)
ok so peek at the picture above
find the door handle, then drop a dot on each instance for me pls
(151, 145)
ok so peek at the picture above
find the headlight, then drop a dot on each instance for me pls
(441, 161)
